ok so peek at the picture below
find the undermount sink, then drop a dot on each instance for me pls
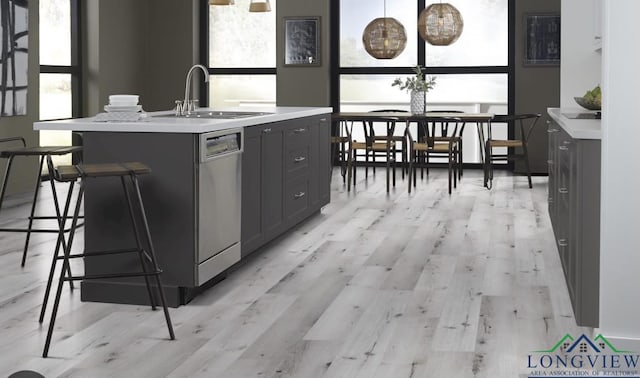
(220, 114)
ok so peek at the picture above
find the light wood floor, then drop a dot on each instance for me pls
(377, 285)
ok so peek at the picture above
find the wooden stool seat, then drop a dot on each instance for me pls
(73, 172)
(39, 151)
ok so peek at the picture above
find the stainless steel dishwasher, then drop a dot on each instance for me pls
(218, 207)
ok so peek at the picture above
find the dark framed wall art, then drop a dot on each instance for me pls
(302, 41)
(542, 39)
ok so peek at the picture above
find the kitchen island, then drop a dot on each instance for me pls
(284, 176)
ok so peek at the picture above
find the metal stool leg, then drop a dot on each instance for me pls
(5, 179)
(152, 254)
(33, 211)
(59, 243)
(136, 233)
(65, 268)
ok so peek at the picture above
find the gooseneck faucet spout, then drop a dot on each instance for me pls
(186, 105)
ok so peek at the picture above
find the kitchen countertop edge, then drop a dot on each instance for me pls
(576, 128)
(156, 122)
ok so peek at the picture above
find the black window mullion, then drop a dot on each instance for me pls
(430, 70)
(422, 59)
(242, 71)
(76, 60)
(204, 48)
(334, 70)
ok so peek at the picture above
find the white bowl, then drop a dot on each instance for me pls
(123, 100)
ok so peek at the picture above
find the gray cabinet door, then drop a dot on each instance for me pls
(324, 160)
(272, 179)
(252, 233)
(553, 135)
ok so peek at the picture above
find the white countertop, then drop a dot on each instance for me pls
(165, 122)
(576, 128)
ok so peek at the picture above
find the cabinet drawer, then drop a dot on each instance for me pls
(297, 160)
(298, 135)
(296, 198)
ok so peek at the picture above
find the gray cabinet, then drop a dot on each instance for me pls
(285, 177)
(574, 209)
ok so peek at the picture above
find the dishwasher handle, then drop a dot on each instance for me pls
(218, 144)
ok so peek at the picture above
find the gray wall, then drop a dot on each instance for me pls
(147, 51)
(537, 87)
(23, 172)
(303, 86)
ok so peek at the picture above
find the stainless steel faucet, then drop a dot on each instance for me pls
(187, 106)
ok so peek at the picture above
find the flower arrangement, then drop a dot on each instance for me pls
(416, 82)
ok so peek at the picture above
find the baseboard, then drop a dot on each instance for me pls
(620, 342)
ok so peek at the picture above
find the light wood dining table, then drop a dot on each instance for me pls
(348, 118)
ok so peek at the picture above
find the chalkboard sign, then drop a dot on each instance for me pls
(302, 41)
(542, 39)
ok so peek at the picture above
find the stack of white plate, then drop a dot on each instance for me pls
(123, 103)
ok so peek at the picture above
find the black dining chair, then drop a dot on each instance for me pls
(525, 124)
(440, 138)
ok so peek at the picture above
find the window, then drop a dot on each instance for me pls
(241, 55)
(59, 68)
(473, 74)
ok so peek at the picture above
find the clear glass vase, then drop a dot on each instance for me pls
(418, 102)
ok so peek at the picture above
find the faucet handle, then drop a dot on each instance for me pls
(178, 109)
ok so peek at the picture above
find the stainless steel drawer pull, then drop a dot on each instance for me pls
(299, 159)
(299, 195)
(563, 190)
(266, 131)
(564, 148)
(563, 242)
(323, 120)
(549, 161)
(550, 200)
(300, 130)
(566, 142)
(552, 130)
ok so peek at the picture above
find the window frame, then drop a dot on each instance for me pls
(75, 69)
(204, 56)
(338, 71)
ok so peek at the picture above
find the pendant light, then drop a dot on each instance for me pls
(440, 24)
(385, 37)
(221, 2)
(259, 6)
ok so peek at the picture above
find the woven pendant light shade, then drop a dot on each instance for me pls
(384, 38)
(440, 24)
(259, 6)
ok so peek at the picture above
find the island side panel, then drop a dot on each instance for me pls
(169, 198)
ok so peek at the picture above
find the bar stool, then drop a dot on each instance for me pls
(10, 154)
(71, 174)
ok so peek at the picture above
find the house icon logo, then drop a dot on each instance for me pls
(583, 356)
